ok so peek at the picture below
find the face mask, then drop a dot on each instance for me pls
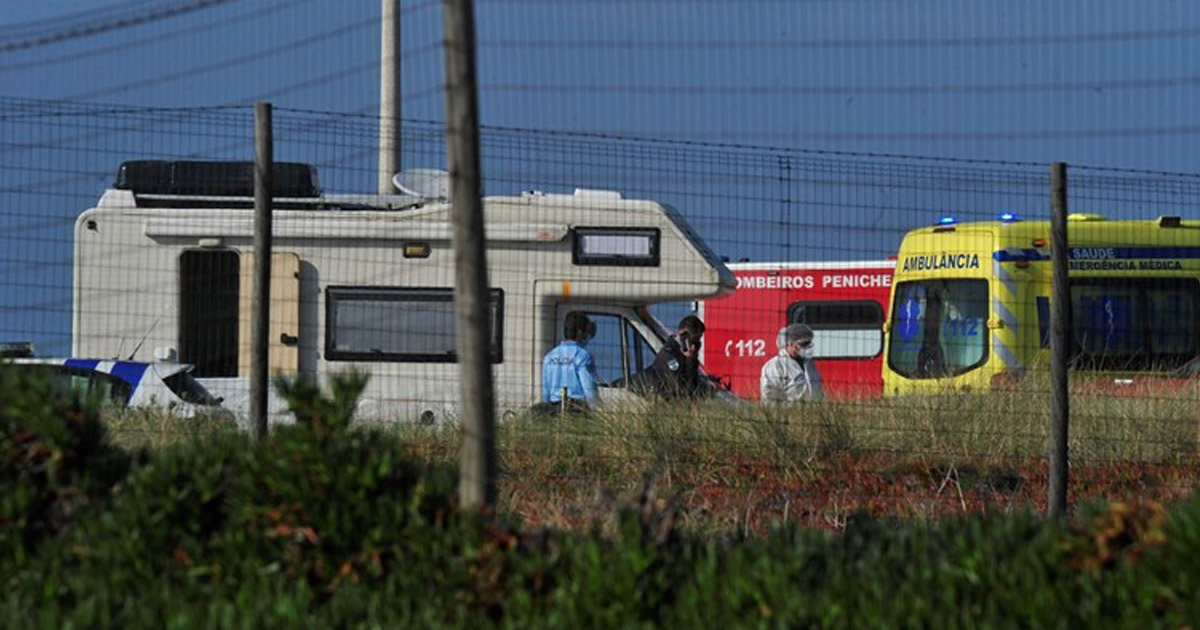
(806, 353)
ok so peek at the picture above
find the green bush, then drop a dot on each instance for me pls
(329, 525)
(55, 461)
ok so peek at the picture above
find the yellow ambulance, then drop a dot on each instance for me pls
(970, 302)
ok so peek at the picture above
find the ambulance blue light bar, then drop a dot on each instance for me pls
(1007, 217)
(947, 220)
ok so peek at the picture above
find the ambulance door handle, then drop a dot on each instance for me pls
(288, 340)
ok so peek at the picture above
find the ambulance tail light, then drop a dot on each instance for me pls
(1039, 242)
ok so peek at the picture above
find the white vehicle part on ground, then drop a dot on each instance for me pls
(166, 385)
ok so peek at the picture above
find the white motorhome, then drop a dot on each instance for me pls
(165, 259)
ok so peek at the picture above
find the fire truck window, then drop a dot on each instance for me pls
(849, 329)
(391, 324)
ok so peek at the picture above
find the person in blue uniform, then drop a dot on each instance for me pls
(569, 368)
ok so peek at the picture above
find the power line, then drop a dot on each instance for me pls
(342, 74)
(852, 90)
(837, 44)
(167, 36)
(24, 109)
(93, 22)
(228, 63)
(928, 136)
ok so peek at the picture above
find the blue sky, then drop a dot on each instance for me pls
(1092, 82)
(1099, 82)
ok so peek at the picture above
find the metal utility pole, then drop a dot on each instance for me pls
(478, 465)
(389, 96)
(1060, 326)
(260, 322)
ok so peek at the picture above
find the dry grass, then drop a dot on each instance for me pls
(155, 429)
(737, 468)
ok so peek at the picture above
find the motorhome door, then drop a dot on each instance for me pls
(621, 348)
(283, 354)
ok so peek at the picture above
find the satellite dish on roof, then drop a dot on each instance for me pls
(427, 183)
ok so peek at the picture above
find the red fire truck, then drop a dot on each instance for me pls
(845, 303)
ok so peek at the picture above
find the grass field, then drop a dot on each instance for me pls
(743, 468)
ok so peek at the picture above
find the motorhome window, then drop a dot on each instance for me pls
(848, 329)
(617, 247)
(208, 311)
(939, 328)
(388, 324)
(1134, 323)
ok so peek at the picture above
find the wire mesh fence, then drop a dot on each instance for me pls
(922, 286)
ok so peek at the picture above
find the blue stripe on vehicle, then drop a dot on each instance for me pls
(1004, 314)
(129, 372)
(1009, 282)
(1138, 252)
(83, 364)
(1010, 360)
(1077, 253)
(1015, 255)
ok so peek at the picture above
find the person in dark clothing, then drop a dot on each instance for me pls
(675, 372)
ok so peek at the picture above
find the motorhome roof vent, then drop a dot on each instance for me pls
(593, 193)
(214, 179)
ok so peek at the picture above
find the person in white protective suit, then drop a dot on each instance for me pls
(791, 375)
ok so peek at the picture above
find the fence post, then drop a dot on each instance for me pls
(1060, 327)
(260, 306)
(472, 310)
